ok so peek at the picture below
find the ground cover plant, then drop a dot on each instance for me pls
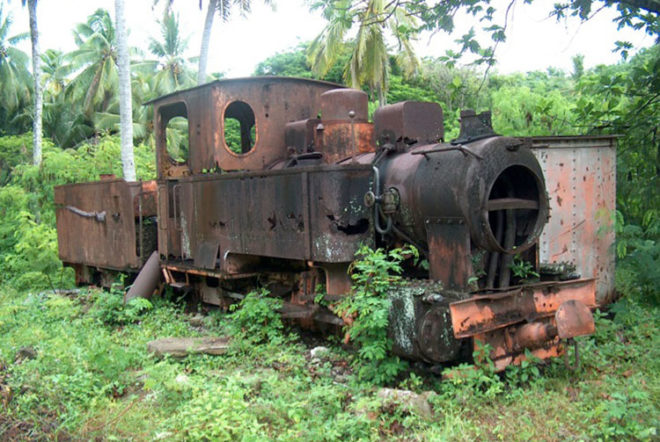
(75, 365)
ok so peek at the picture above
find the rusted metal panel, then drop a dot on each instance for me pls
(169, 219)
(574, 319)
(542, 337)
(535, 321)
(299, 136)
(339, 221)
(275, 102)
(502, 353)
(344, 130)
(310, 213)
(257, 215)
(196, 106)
(483, 313)
(580, 174)
(144, 202)
(163, 220)
(97, 223)
(340, 104)
(340, 140)
(449, 239)
(409, 122)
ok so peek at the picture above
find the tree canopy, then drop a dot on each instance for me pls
(405, 20)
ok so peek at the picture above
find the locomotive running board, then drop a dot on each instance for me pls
(532, 317)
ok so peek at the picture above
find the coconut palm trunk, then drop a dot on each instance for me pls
(125, 101)
(38, 91)
(206, 39)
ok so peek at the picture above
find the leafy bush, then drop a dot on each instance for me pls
(519, 376)
(28, 246)
(522, 269)
(109, 307)
(256, 318)
(623, 99)
(14, 150)
(478, 380)
(73, 365)
(638, 253)
(219, 413)
(366, 310)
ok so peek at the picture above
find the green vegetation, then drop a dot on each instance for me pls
(374, 273)
(76, 364)
(256, 319)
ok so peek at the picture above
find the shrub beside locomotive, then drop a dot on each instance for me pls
(305, 180)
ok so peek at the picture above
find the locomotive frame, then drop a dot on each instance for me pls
(313, 179)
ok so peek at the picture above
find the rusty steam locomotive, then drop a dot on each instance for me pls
(311, 180)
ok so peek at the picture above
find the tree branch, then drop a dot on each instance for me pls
(647, 5)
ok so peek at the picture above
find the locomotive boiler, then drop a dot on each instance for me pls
(284, 179)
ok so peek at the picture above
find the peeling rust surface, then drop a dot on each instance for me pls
(110, 241)
(573, 318)
(534, 319)
(581, 178)
(483, 313)
(503, 353)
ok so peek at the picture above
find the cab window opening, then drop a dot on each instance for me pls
(239, 127)
(177, 138)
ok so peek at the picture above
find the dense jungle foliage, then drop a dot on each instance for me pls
(75, 365)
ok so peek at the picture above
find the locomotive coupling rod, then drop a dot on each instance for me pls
(98, 216)
(464, 150)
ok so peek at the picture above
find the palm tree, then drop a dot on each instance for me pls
(125, 104)
(65, 124)
(150, 79)
(223, 8)
(55, 71)
(14, 75)
(143, 89)
(95, 60)
(370, 59)
(172, 69)
(98, 61)
(36, 74)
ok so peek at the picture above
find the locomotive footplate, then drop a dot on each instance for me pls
(534, 317)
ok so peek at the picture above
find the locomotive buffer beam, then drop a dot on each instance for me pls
(533, 317)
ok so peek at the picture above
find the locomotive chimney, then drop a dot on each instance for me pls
(474, 127)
